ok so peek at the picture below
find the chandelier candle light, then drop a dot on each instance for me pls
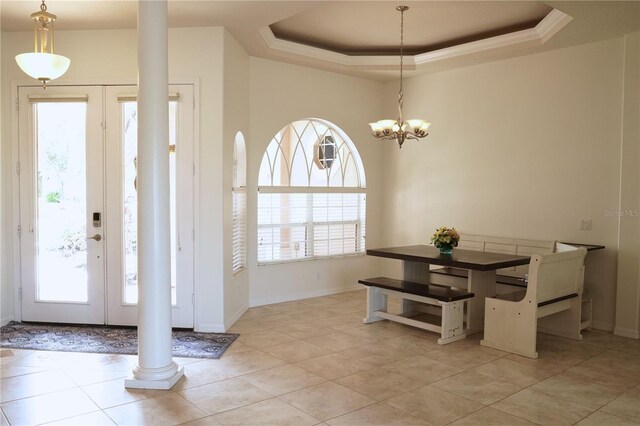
(398, 130)
(43, 64)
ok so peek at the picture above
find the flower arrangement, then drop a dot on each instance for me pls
(445, 238)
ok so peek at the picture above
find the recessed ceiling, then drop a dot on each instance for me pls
(373, 28)
(361, 37)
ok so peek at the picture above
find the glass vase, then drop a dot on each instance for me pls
(446, 249)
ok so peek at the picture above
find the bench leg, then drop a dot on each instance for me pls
(376, 301)
(452, 322)
(511, 326)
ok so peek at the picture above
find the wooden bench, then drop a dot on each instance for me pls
(554, 291)
(451, 301)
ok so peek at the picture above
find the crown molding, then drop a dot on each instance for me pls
(287, 48)
(540, 34)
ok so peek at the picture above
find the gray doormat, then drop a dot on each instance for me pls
(107, 340)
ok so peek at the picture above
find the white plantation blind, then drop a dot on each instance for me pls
(338, 223)
(239, 206)
(239, 231)
(309, 225)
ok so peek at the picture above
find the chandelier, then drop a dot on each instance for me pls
(43, 64)
(399, 130)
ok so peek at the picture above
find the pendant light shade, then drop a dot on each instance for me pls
(42, 64)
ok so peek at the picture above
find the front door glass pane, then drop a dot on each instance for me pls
(130, 200)
(61, 203)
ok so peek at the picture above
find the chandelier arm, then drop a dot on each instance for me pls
(392, 137)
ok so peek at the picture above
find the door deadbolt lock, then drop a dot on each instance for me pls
(96, 237)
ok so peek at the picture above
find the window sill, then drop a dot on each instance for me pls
(310, 259)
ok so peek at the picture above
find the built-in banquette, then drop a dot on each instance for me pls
(510, 278)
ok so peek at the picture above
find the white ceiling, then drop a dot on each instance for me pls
(340, 29)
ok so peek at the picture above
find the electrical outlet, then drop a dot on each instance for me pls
(585, 224)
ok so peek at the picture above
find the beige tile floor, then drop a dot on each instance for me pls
(314, 362)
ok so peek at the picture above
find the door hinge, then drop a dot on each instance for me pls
(18, 168)
(194, 169)
(17, 104)
(103, 124)
(19, 231)
(193, 299)
(20, 293)
(193, 234)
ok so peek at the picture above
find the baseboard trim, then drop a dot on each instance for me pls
(210, 328)
(627, 332)
(306, 295)
(235, 317)
(604, 326)
(6, 320)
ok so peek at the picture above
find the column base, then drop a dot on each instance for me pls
(162, 384)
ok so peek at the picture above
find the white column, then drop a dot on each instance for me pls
(155, 369)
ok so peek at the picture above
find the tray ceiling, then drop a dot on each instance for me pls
(355, 28)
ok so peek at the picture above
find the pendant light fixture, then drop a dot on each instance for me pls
(43, 64)
(398, 130)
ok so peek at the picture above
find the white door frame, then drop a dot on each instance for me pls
(15, 184)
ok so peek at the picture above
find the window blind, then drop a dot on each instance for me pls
(309, 225)
(239, 229)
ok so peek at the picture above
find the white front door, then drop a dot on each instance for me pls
(121, 161)
(61, 188)
(78, 204)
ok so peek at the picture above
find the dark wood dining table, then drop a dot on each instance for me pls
(481, 281)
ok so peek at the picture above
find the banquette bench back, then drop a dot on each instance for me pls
(515, 246)
(556, 276)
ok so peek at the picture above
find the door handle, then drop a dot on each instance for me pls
(96, 237)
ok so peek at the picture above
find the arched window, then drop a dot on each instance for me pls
(311, 194)
(239, 196)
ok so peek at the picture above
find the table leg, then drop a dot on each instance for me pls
(482, 284)
(417, 272)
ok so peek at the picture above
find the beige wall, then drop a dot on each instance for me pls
(280, 94)
(523, 147)
(628, 300)
(236, 119)
(110, 57)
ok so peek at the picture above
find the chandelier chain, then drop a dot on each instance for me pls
(43, 7)
(401, 93)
